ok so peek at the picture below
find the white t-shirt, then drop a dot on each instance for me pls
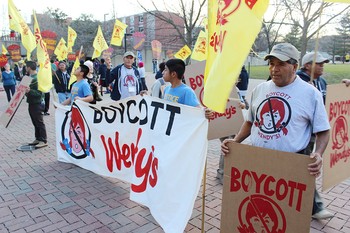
(297, 110)
(128, 82)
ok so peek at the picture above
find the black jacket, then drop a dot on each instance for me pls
(114, 76)
(58, 82)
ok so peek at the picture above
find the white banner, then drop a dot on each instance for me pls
(157, 146)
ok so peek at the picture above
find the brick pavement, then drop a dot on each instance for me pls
(40, 194)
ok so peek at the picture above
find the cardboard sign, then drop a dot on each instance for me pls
(16, 100)
(336, 162)
(223, 124)
(266, 191)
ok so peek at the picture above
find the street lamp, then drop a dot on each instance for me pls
(125, 35)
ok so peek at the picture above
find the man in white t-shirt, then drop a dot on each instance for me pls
(125, 77)
(284, 112)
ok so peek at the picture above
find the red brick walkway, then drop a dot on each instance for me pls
(40, 194)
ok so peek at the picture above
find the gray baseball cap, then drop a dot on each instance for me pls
(309, 57)
(284, 52)
(129, 53)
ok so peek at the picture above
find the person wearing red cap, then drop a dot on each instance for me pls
(142, 75)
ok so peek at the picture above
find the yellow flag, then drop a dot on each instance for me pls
(45, 72)
(100, 43)
(199, 51)
(73, 78)
(183, 53)
(118, 33)
(342, 1)
(18, 24)
(4, 50)
(232, 28)
(61, 50)
(72, 35)
(96, 54)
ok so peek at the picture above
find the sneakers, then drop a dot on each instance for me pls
(323, 214)
(41, 144)
(35, 142)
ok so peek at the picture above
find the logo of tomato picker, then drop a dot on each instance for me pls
(225, 9)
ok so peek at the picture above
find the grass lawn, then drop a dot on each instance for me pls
(333, 73)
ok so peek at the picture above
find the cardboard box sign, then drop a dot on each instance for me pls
(266, 191)
(336, 158)
(223, 124)
(16, 100)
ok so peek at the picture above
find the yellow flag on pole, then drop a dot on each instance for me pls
(73, 78)
(18, 24)
(183, 53)
(341, 1)
(61, 50)
(99, 44)
(199, 52)
(72, 35)
(45, 72)
(118, 33)
(4, 50)
(232, 28)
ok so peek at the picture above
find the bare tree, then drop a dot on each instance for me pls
(189, 11)
(271, 26)
(306, 15)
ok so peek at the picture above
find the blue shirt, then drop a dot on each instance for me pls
(181, 94)
(81, 89)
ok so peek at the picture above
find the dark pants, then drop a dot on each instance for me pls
(35, 112)
(11, 88)
(47, 102)
(143, 82)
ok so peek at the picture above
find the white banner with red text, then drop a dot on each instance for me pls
(157, 146)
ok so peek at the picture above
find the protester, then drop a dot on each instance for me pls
(80, 89)
(159, 73)
(125, 78)
(102, 72)
(154, 65)
(179, 92)
(157, 89)
(285, 111)
(242, 85)
(306, 68)
(9, 82)
(316, 79)
(142, 73)
(61, 82)
(91, 79)
(36, 107)
(20, 70)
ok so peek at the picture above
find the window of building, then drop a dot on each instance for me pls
(132, 20)
(140, 18)
(141, 29)
(132, 30)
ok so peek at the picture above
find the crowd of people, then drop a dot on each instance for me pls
(305, 132)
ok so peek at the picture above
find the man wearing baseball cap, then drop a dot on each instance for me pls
(285, 111)
(126, 78)
(305, 72)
